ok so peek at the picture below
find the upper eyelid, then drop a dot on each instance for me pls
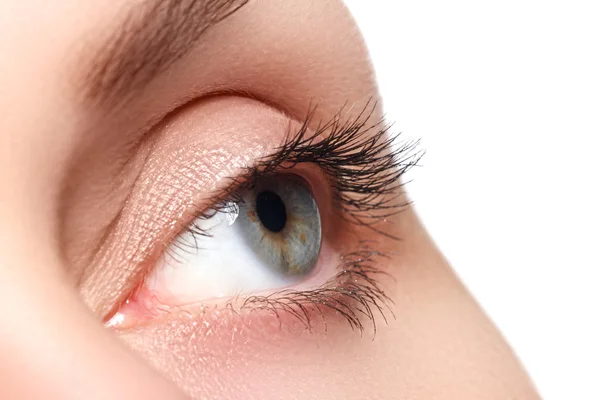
(189, 157)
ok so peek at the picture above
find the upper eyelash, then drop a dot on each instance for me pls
(359, 159)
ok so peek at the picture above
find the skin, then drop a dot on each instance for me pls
(86, 198)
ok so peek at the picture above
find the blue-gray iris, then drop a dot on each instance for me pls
(280, 221)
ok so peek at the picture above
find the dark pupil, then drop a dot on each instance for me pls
(271, 211)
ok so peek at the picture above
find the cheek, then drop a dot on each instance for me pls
(269, 353)
(439, 345)
(256, 355)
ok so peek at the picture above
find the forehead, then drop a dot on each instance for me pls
(109, 37)
(126, 43)
(153, 55)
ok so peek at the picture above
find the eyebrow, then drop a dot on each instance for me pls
(151, 38)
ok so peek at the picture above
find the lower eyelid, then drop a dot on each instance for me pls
(155, 300)
(354, 296)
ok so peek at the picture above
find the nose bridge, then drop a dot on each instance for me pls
(42, 47)
(36, 112)
(50, 347)
(29, 83)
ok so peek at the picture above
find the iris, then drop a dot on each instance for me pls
(280, 221)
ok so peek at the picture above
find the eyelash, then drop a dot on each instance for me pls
(363, 169)
(353, 292)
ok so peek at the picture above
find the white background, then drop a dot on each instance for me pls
(505, 96)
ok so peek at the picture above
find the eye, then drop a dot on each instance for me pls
(297, 236)
(281, 225)
(266, 237)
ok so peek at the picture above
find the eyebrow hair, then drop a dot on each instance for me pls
(151, 38)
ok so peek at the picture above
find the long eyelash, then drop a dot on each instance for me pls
(360, 159)
(353, 293)
(364, 164)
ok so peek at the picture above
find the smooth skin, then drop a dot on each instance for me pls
(82, 199)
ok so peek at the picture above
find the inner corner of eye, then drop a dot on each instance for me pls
(268, 239)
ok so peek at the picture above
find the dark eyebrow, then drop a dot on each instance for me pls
(153, 36)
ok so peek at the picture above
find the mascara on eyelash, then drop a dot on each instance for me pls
(360, 159)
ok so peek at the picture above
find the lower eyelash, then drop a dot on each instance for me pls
(354, 293)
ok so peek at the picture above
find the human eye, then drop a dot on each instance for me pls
(288, 236)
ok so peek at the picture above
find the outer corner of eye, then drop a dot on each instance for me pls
(267, 239)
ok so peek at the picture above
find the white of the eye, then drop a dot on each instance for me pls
(222, 266)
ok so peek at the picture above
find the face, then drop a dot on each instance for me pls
(201, 199)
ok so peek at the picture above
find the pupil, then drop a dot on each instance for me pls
(271, 211)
